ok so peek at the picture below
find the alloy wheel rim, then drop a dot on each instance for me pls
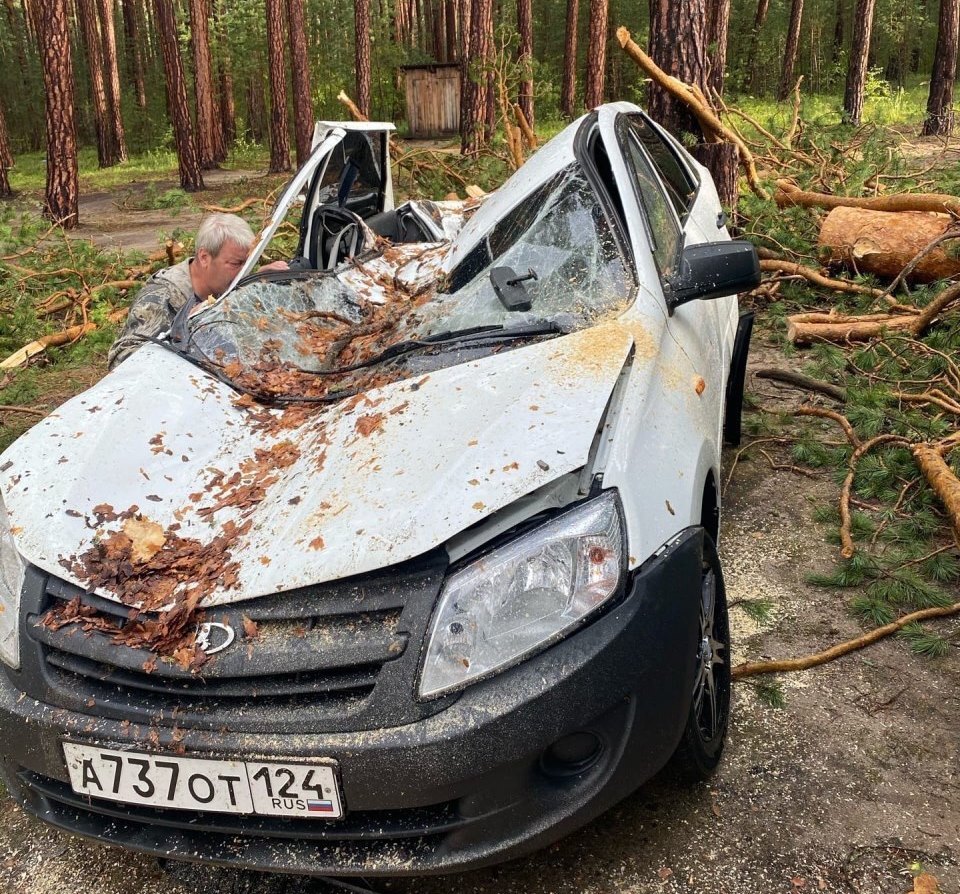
(708, 690)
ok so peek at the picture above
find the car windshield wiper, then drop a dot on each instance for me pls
(475, 334)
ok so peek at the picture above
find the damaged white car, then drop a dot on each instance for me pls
(401, 561)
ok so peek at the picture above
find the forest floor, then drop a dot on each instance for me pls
(853, 779)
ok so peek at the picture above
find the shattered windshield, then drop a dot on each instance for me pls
(321, 335)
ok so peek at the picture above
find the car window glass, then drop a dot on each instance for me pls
(562, 234)
(365, 152)
(664, 229)
(275, 331)
(679, 185)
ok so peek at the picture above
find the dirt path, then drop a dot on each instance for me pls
(112, 219)
(841, 790)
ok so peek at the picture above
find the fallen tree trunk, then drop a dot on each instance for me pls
(886, 242)
(789, 194)
(802, 329)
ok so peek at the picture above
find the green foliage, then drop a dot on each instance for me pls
(758, 610)
(770, 692)
(925, 642)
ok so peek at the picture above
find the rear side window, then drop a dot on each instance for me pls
(680, 186)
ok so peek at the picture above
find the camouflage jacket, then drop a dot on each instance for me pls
(160, 299)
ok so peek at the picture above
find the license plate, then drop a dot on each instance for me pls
(220, 786)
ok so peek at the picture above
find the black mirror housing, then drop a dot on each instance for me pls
(713, 270)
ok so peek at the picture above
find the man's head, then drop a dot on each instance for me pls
(222, 245)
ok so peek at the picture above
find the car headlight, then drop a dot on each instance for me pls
(525, 595)
(12, 571)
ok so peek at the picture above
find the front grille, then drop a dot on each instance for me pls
(327, 658)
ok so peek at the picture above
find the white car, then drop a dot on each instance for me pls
(401, 561)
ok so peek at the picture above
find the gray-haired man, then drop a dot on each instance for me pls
(222, 245)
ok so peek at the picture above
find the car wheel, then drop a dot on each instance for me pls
(703, 739)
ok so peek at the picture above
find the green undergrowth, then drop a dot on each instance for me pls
(905, 557)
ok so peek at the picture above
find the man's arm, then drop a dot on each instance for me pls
(149, 316)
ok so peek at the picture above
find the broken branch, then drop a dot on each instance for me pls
(789, 194)
(751, 668)
(805, 328)
(711, 124)
(941, 479)
(55, 339)
(799, 380)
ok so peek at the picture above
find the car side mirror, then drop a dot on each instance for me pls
(713, 270)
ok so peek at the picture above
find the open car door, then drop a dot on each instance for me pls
(349, 168)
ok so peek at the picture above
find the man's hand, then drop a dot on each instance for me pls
(274, 266)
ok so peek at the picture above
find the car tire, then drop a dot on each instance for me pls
(705, 733)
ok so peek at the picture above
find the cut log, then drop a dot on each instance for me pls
(723, 162)
(885, 242)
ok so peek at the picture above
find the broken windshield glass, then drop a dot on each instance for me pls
(298, 336)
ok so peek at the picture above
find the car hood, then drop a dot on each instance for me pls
(360, 485)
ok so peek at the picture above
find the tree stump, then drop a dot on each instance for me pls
(722, 161)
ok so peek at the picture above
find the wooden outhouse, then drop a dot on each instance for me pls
(433, 99)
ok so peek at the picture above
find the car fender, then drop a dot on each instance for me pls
(660, 439)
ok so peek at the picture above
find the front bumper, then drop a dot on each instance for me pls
(516, 762)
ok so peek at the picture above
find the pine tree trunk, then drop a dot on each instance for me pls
(763, 7)
(596, 53)
(226, 109)
(859, 54)
(19, 35)
(279, 138)
(451, 20)
(717, 37)
(790, 52)
(568, 88)
(525, 58)
(132, 23)
(939, 121)
(839, 31)
(6, 158)
(475, 126)
(678, 44)
(114, 96)
(466, 86)
(209, 138)
(361, 13)
(102, 119)
(53, 40)
(256, 109)
(190, 177)
(300, 65)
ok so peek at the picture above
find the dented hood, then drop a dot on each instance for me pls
(329, 493)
